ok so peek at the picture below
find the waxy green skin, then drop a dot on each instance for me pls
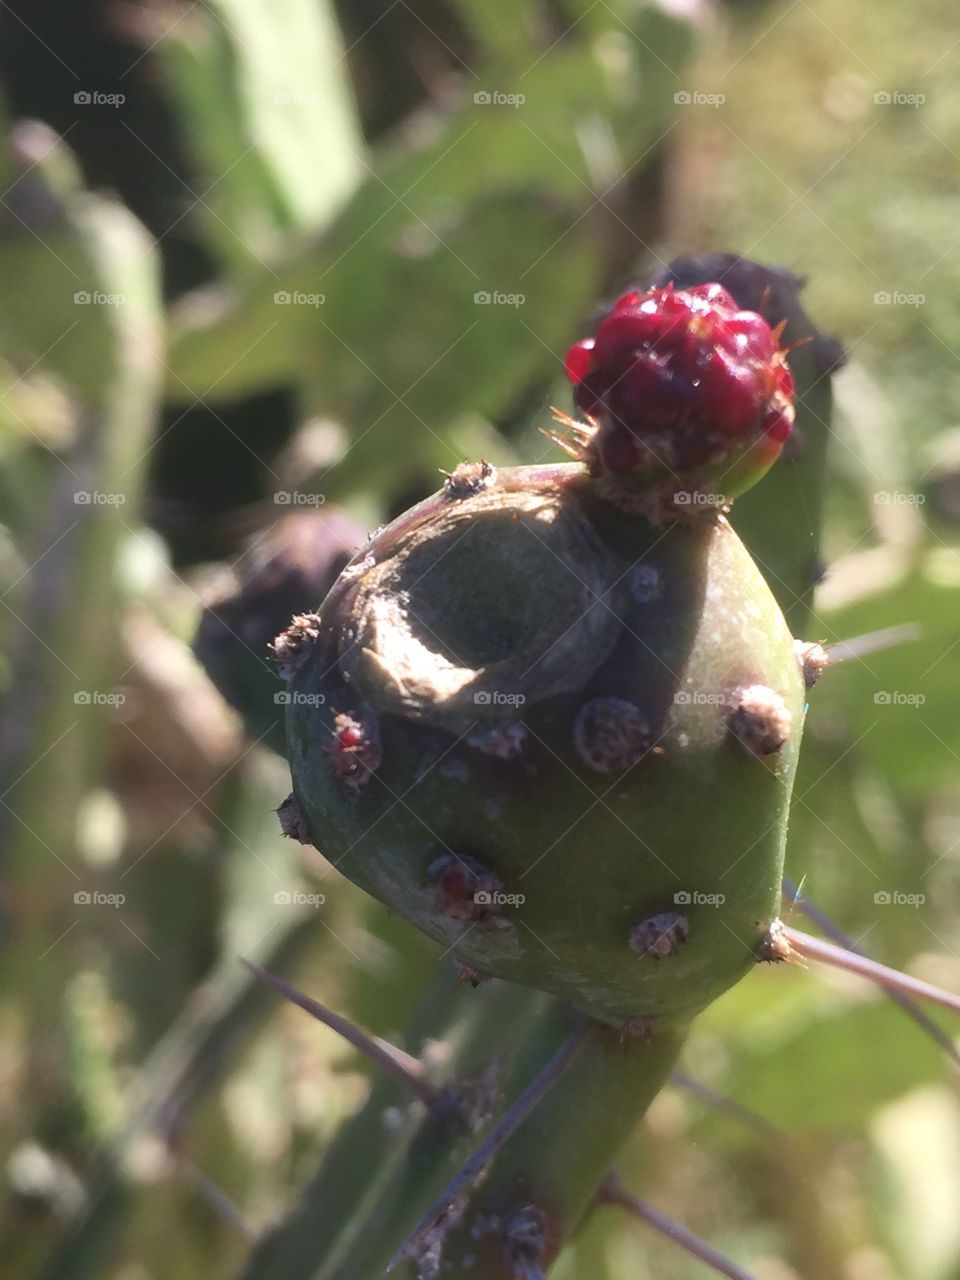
(534, 589)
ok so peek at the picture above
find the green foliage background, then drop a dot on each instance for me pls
(351, 194)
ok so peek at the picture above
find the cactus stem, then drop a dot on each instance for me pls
(906, 1003)
(614, 1193)
(805, 944)
(400, 1064)
(453, 1194)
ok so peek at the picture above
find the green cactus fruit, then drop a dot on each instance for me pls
(557, 737)
(284, 571)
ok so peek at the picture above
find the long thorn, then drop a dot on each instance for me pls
(728, 1106)
(613, 1192)
(400, 1064)
(906, 1003)
(805, 944)
(216, 1198)
(871, 642)
(504, 1129)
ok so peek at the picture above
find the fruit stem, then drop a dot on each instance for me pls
(531, 1097)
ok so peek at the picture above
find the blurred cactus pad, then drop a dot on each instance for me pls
(479, 569)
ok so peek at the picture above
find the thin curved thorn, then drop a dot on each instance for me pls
(728, 1106)
(508, 1124)
(906, 1003)
(614, 1192)
(805, 944)
(871, 642)
(216, 1198)
(402, 1065)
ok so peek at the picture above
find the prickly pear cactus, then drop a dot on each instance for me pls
(551, 715)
